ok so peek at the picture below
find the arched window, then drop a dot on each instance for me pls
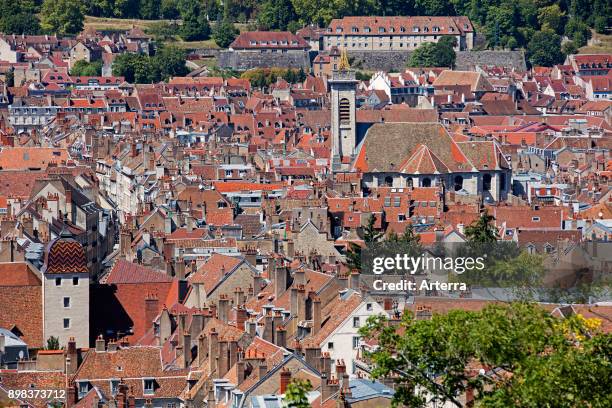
(426, 182)
(486, 182)
(458, 183)
(345, 111)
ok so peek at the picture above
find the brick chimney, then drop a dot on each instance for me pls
(301, 295)
(316, 315)
(202, 349)
(197, 324)
(285, 379)
(133, 150)
(340, 369)
(232, 345)
(251, 327)
(240, 371)
(241, 317)
(329, 387)
(224, 307)
(257, 283)
(71, 394)
(355, 280)
(325, 364)
(211, 403)
(151, 308)
(179, 268)
(294, 302)
(299, 277)
(262, 369)
(72, 358)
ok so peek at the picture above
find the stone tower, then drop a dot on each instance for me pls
(66, 291)
(343, 120)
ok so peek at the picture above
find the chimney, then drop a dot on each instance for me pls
(325, 364)
(301, 296)
(240, 371)
(223, 360)
(316, 315)
(257, 283)
(72, 358)
(179, 268)
(285, 378)
(294, 302)
(268, 328)
(238, 297)
(187, 349)
(197, 324)
(224, 304)
(232, 345)
(202, 349)
(151, 309)
(313, 355)
(100, 345)
(133, 150)
(280, 280)
(241, 317)
(213, 349)
(340, 369)
(252, 327)
(354, 280)
(262, 369)
(299, 277)
(277, 321)
(112, 345)
(329, 387)
(69, 204)
(297, 348)
(281, 337)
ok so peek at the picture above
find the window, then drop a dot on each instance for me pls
(83, 388)
(355, 342)
(535, 219)
(345, 111)
(369, 307)
(401, 217)
(148, 386)
(66, 301)
(330, 345)
(66, 323)
(387, 202)
(356, 321)
(58, 281)
(396, 201)
(114, 386)
(426, 182)
(458, 183)
(75, 281)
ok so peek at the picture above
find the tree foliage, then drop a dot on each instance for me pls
(225, 33)
(528, 358)
(482, 230)
(52, 343)
(84, 68)
(296, 395)
(138, 68)
(440, 54)
(276, 15)
(18, 17)
(544, 49)
(62, 16)
(195, 25)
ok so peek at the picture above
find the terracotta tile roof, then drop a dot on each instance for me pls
(33, 380)
(22, 308)
(399, 25)
(128, 272)
(233, 186)
(333, 314)
(526, 217)
(212, 272)
(269, 39)
(475, 80)
(23, 158)
(17, 274)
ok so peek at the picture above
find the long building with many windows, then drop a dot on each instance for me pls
(396, 33)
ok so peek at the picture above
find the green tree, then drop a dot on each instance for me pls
(370, 233)
(195, 25)
(569, 48)
(600, 24)
(433, 7)
(552, 17)
(18, 17)
(578, 31)
(440, 54)
(62, 16)
(225, 33)
(544, 49)
(170, 62)
(150, 9)
(169, 9)
(529, 358)
(52, 343)
(84, 68)
(482, 230)
(275, 15)
(296, 395)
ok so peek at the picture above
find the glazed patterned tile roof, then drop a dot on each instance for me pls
(65, 255)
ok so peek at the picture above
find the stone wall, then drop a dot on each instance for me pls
(467, 60)
(396, 61)
(246, 60)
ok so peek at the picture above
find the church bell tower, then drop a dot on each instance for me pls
(343, 121)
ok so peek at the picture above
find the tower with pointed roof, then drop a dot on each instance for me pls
(66, 290)
(343, 120)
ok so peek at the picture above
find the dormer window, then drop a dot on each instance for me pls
(415, 29)
(425, 29)
(354, 29)
(294, 42)
(252, 42)
(392, 29)
(402, 29)
(339, 29)
(451, 29)
(436, 29)
(366, 29)
(381, 29)
(148, 386)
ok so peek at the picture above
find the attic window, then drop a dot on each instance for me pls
(339, 29)
(355, 29)
(381, 29)
(402, 29)
(148, 386)
(415, 29)
(535, 219)
(366, 29)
